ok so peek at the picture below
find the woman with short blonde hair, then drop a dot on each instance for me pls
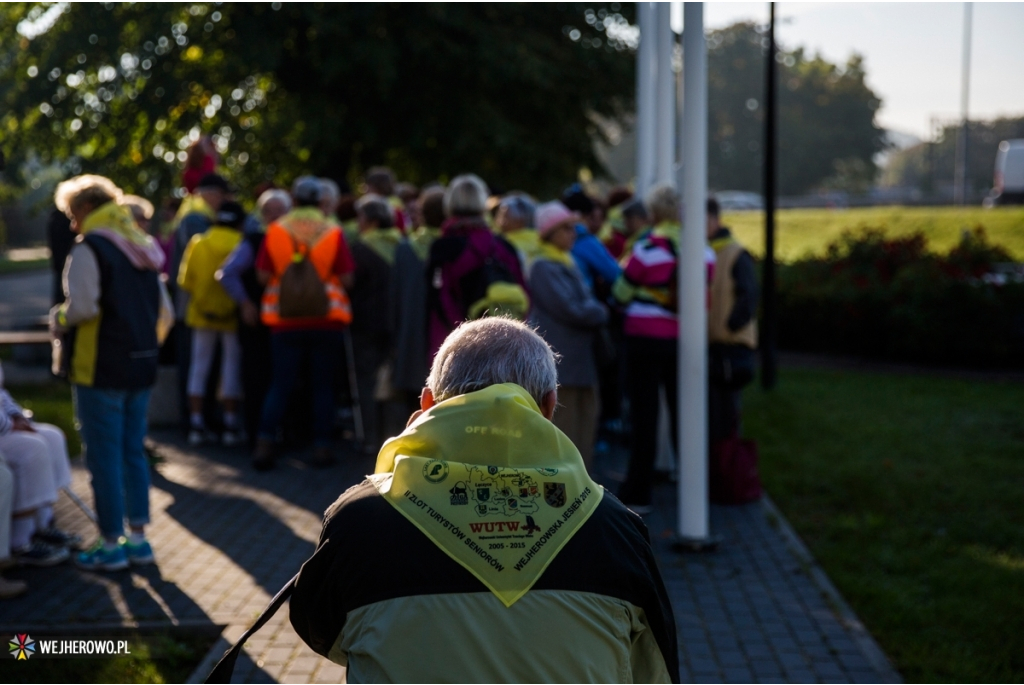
(87, 191)
(663, 205)
(109, 321)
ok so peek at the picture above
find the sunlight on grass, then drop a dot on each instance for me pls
(807, 232)
(999, 559)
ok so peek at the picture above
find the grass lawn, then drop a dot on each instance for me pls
(802, 232)
(910, 493)
(155, 659)
(8, 266)
(50, 403)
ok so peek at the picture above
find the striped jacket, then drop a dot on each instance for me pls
(648, 284)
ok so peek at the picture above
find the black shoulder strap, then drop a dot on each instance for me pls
(222, 672)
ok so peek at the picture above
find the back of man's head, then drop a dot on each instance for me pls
(375, 209)
(307, 191)
(432, 207)
(273, 204)
(381, 180)
(490, 351)
(330, 194)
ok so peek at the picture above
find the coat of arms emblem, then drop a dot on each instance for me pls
(554, 494)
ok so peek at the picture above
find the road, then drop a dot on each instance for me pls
(24, 297)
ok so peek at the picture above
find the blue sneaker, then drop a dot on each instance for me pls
(100, 559)
(140, 554)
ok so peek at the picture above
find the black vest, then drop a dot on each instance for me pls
(126, 350)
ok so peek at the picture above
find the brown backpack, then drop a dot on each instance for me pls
(302, 293)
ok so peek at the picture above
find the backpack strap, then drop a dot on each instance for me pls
(224, 669)
(295, 246)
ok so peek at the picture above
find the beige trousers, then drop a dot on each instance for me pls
(576, 416)
(39, 462)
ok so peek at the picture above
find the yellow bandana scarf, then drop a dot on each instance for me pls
(548, 251)
(383, 241)
(668, 230)
(306, 224)
(191, 204)
(525, 240)
(421, 240)
(492, 483)
(117, 219)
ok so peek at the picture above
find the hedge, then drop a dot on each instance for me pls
(890, 298)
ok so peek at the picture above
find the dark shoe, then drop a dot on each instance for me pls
(263, 455)
(56, 537)
(40, 554)
(11, 588)
(323, 457)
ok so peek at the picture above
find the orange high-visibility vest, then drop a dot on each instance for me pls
(281, 248)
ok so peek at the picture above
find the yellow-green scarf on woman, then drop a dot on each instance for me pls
(383, 241)
(548, 251)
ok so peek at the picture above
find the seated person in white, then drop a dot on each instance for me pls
(37, 455)
(8, 588)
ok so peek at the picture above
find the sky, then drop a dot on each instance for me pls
(912, 52)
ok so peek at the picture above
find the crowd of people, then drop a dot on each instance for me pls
(323, 309)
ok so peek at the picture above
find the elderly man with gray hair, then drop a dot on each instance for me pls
(483, 550)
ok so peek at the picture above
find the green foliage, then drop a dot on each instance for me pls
(907, 491)
(930, 166)
(50, 403)
(808, 232)
(887, 297)
(431, 89)
(826, 117)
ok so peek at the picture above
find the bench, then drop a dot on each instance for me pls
(24, 337)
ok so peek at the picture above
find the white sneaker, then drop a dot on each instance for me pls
(231, 438)
(197, 437)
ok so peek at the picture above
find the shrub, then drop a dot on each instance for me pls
(891, 298)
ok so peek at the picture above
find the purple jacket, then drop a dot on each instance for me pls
(464, 246)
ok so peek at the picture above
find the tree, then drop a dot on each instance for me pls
(930, 166)
(508, 91)
(827, 131)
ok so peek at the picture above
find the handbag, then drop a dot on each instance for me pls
(733, 475)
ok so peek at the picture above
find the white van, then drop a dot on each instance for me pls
(1009, 176)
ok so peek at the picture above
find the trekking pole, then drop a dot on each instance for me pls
(81, 505)
(353, 388)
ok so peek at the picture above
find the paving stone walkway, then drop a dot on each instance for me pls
(227, 538)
